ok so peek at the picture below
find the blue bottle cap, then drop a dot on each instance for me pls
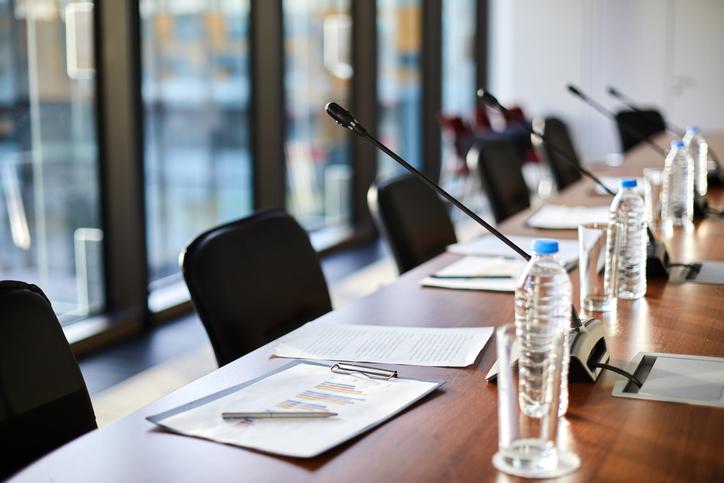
(692, 128)
(545, 247)
(677, 143)
(628, 183)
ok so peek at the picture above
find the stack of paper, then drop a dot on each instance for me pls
(557, 217)
(478, 273)
(490, 246)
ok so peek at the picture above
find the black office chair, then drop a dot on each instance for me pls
(412, 218)
(44, 401)
(557, 134)
(501, 174)
(634, 126)
(253, 280)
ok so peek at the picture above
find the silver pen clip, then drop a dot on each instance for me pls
(366, 371)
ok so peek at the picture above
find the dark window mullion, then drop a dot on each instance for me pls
(267, 103)
(431, 87)
(363, 104)
(120, 135)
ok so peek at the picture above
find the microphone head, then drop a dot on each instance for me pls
(344, 118)
(339, 114)
(487, 97)
(574, 90)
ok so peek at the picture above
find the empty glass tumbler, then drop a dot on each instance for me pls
(597, 293)
(528, 446)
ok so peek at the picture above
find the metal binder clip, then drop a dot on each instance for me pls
(366, 371)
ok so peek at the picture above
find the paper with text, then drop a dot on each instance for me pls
(360, 404)
(558, 217)
(417, 346)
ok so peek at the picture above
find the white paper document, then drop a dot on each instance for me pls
(360, 404)
(612, 183)
(446, 347)
(478, 273)
(558, 217)
(490, 246)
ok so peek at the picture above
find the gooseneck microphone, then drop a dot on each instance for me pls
(491, 100)
(589, 352)
(628, 102)
(598, 107)
(345, 119)
(657, 258)
(701, 207)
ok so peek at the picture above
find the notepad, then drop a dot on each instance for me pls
(467, 268)
(490, 246)
(360, 403)
(558, 217)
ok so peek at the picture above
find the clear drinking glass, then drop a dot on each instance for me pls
(528, 446)
(597, 295)
(653, 185)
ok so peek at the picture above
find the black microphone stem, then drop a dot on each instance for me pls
(345, 119)
(628, 102)
(634, 132)
(449, 197)
(554, 147)
(560, 151)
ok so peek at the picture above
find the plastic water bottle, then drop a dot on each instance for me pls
(626, 216)
(677, 195)
(542, 316)
(699, 150)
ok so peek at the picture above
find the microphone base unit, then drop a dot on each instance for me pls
(657, 260)
(588, 348)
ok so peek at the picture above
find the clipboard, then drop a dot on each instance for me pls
(319, 435)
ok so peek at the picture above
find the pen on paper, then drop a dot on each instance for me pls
(277, 414)
(469, 277)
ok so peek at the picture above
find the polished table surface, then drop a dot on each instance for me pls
(452, 435)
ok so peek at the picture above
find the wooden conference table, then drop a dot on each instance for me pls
(453, 434)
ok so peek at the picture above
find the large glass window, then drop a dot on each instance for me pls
(399, 32)
(458, 81)
(317, 41)
(49, 201)
(458, 57)
(195, 85)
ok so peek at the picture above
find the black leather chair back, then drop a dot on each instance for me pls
(253, 280)
(634, 126)
(557, 134)
(44, 401)
(501, 173)
(412, 218)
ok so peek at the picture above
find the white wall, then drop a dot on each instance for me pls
(642, 47)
